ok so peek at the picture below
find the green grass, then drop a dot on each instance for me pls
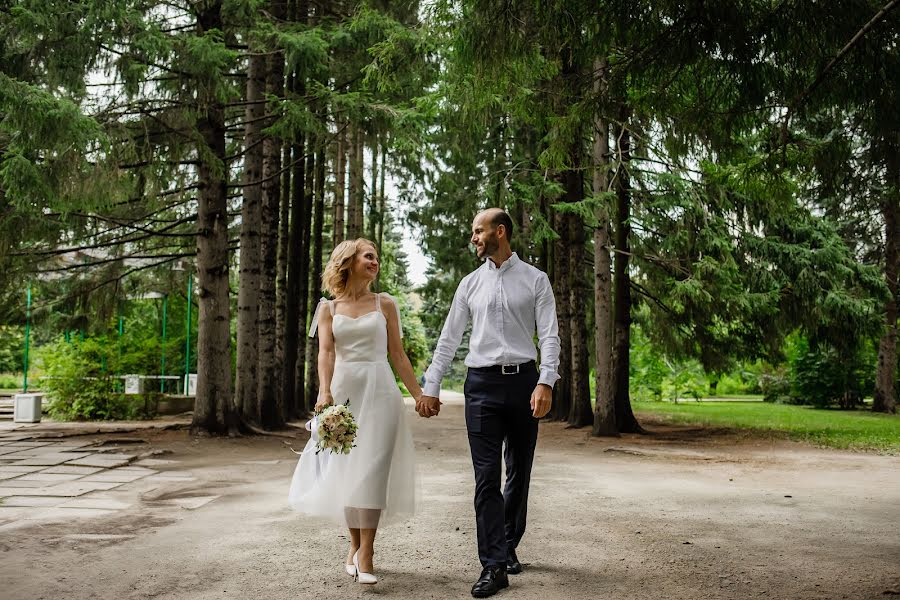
(857, 429)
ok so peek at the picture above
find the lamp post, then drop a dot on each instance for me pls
(27, 339)
(187, 332)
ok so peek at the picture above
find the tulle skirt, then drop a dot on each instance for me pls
(375, 483)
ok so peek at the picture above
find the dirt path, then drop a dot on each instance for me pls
(680, 514)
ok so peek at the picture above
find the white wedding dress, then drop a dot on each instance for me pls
(375, 483)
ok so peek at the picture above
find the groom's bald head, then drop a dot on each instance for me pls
(497, 217)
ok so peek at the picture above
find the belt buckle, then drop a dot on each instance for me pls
(514, 369)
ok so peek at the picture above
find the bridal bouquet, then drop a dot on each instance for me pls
(336, 429)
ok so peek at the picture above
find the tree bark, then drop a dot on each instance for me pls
(580, 413)
(372, 229)
(296, 268)
(604, 407)
(340, 185)
(885, 399)
(284, 236)
(562, 393)
(624, 415)
(213, 406)
(355, 201)
(312, 381)
(271, 415)
(246, 382)
(304, 403)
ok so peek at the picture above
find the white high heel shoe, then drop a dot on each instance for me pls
(361, 576)
(351, 569)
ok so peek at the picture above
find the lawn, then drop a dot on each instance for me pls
(856, 429)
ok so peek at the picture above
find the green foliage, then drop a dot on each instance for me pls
(824, 375)
(79, 383)
(12, 347)
(10, 382)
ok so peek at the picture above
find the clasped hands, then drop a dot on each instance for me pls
(541, 399)
(428, 406)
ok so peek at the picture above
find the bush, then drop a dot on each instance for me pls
(775, 385)
(10, 382)
(823, 376)
(79, 382)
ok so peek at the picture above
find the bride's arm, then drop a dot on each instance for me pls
(325, 360)
(395, 349)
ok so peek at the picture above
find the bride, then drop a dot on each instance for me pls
(358, 330)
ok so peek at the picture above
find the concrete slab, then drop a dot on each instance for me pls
(19, 483)
(167, 478)
(106, 461)
(32, 501)
(69, 489)
(49, 460)
(50, 477)
(113, 475)
(20, 469)
(100, 537)
(98, 503)
(71, 469)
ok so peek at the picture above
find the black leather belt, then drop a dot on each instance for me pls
(504, 369)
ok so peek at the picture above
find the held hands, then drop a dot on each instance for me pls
(428, 406)
(324, 401)
(541, 398)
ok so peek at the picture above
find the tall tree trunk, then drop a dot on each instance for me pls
(562, 393)
(372, 225)
(304, 403)
(284, 237)
(246, 382)
(885, 399)
(312, 382)
(270, 410)
(340, 184)
(580, 413)
(297, 269)
(213, 406)
(355, 201)
(382, 203)
(624, 415)
(605, 406)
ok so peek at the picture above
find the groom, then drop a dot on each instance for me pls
(507, 301)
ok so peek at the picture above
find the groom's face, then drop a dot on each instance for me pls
(484, 237)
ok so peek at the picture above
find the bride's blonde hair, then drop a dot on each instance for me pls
(337, 271)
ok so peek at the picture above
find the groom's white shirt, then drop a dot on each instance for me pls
(507, 305)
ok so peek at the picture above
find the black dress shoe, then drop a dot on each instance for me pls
(513, 566)
(493, 579)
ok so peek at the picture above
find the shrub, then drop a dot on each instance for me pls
(79, 383)
(823, 376)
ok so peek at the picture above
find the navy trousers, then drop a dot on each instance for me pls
(498, 414)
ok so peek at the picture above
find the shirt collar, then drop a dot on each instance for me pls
(509, 263)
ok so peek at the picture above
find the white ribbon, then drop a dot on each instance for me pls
(314, 326)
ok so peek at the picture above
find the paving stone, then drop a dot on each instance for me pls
(114, 476)
(32, 501)
(107, 461)
(50, 460)
(167, 478)
(191, 503)
(50, 477)
(9, 513)
(20, 483)
(70, 469)
(20, 469)
(259, 462)
(68, 489)
(99, 503)
(27, 444)
(133, 469)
